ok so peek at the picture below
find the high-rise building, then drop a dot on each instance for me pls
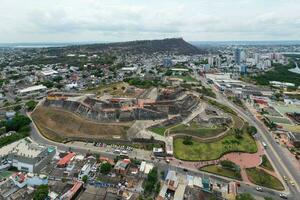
(243, 69)
(237, 56)
(256, 58)
(243, 56)
(218, 62)
(211, 61)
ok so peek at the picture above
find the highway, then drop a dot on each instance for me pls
(282, 164)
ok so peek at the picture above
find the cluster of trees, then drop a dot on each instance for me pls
(142, 83)
(30, 105)
(227, 164)
(20, 124)
(270, 124)
(105, 168)
(252, 130)
(152, 184)
(41, 192)
(238, 133)
(279, 73)
(187, 140)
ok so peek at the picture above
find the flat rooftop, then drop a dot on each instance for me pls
(22, 148)
(33, 88)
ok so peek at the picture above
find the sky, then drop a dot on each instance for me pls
(125, 20)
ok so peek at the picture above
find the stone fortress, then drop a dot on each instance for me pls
(168, 102)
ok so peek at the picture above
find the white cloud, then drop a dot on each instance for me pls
(115, 20)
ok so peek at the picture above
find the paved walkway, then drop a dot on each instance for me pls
(244, 160)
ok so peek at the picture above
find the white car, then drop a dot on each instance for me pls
(282, 195)
(259, 189)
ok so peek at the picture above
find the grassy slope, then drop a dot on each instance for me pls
(57, 124)
(260, 177)
(212, 150)
(196, 130)
(214, 169)
(266, 163)
(158, 130)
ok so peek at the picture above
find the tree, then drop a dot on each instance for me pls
(30, 105)
(105, 168)
(17, 108)
(187, 140)
(252, 130)
(151, 181)
(85, 178)
(238, 133)
(245, 196)
(48, 84)
(57, 79)
(41, 192)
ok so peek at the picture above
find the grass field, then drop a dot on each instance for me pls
(197, 130)
(266, 163)
(260, 177)
(213, 150)
(5, 174)
(57, 124)
(215, 169)
(114, 89)
(158, 130)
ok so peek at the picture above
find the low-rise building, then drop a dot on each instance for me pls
(33, 91)
(26, 155)
(122, 166)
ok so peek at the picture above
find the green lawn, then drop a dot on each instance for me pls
(213, 150)
(215, 169)
(197, 130)
(5, 174)
(260, 177)
(266, 163)
(158, 130)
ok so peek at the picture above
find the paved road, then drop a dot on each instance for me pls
(282, 163)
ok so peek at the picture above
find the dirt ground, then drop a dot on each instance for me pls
(58, 124)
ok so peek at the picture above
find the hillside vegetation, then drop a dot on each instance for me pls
(278, 73)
